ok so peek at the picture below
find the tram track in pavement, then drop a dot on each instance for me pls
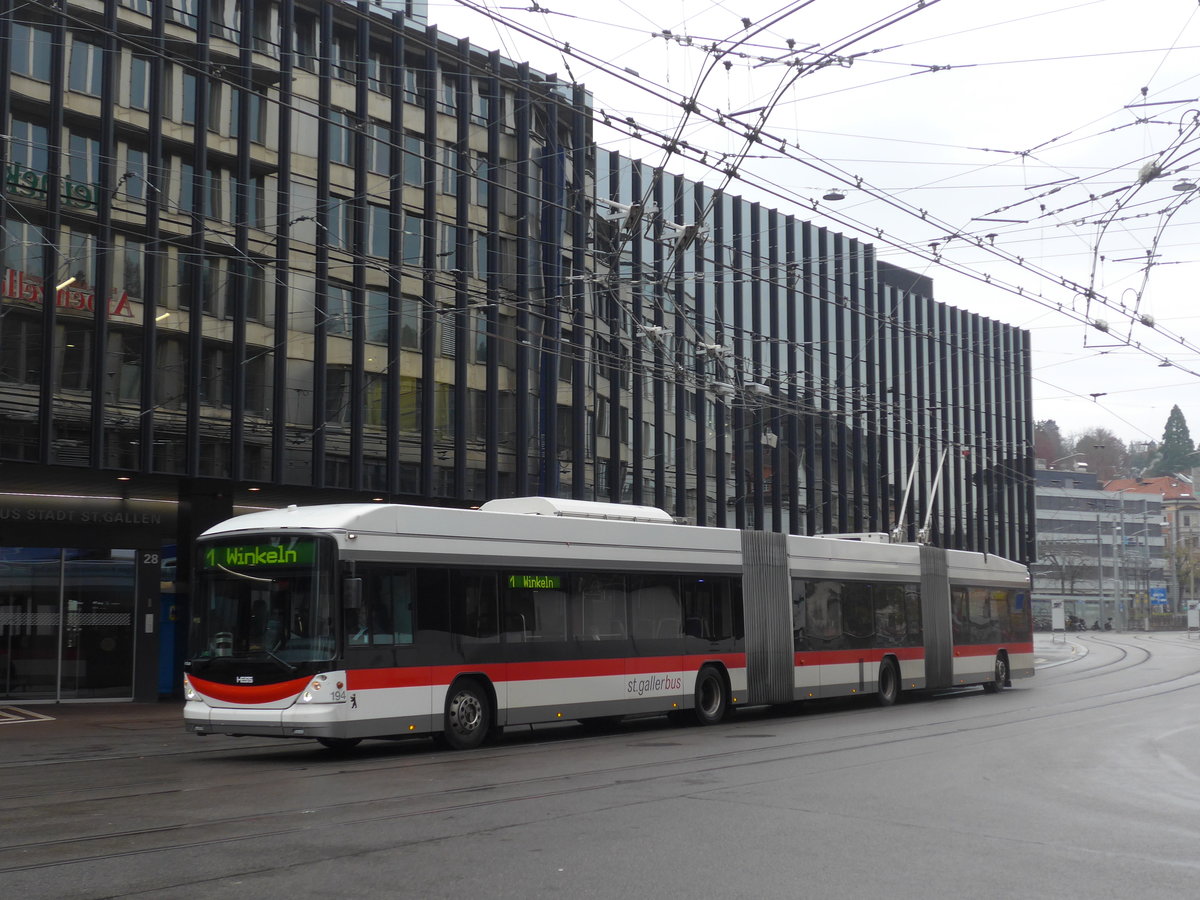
(1128, 657)
(184, 836)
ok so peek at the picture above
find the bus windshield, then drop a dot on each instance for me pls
(264, 598)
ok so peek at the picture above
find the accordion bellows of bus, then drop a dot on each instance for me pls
(353, 621)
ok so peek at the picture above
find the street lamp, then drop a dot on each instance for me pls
(1054, 462)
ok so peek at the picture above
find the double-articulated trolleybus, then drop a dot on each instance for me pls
(355, 621)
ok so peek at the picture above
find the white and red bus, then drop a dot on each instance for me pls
(355, 621)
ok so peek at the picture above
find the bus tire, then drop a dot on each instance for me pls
(339, 745)
(999, 675)
(712, 697)
(468, 718)
(889, 683)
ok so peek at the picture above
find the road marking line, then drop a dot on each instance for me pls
(12, 715)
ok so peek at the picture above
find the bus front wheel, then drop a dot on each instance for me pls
(468, 715)
(712, 697)
(999, 676)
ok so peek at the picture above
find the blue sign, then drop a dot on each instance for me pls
(1158, 596)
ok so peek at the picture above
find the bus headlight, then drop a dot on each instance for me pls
(189, 693)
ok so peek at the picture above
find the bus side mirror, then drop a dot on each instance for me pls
(352, 591)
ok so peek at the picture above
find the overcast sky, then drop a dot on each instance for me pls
(985, 141)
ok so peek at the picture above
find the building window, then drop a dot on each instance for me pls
(377, 317)
(255, 278)
(224, 19)
(410, 404)
(188, 109)
(480, 103)
(185, 12)
(341, 143)
(479, 335)
(217, 183)
(75, 355)
(476, 415)
(265, 30)
(256, 117)
(139, 82)
(379, 71)
(23, 249)
(125, 366)
(379, 149)
(378, 231)
(344, 55)
(216, 375)
(412, 85)
(86, 74)
(411, 249)
(130, 275)
(414, 160)
(255, 196)
(339, 309)
(447, 249)
(83, 159)
(28, 146)
(448, 93)
(304, 42)
(30, 52)
(482, 176)
(410, 322)
(339, 227)
(448, 183)
(20, 349)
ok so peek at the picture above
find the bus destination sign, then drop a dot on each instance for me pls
(241, 556)
(535, 582)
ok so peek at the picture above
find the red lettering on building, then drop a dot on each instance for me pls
(22, 288)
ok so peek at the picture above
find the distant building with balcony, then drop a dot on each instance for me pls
(1101, 553)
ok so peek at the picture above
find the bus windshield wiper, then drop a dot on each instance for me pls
(279, 659)
(244, 575)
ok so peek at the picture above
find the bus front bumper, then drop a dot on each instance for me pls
(298, 721)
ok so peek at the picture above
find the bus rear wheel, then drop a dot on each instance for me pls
(468, 715)
(999, 676)
(712, 697)
(889, 683)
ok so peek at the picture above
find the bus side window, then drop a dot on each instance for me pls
(654, 600)
(386, 615)
(473, 607)
(432, 602)
(800, 592)
(599, 605)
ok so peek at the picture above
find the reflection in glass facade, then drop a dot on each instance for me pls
(319, 246)
(66, 623)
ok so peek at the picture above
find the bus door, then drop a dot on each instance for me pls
(388, 672)
(541, 668)
(655, 677)
(602, 641)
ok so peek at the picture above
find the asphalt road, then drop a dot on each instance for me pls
(1082, 781)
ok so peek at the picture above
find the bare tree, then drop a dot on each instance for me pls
(1063, 561)
(1104, 453)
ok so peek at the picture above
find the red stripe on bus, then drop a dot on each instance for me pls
(423, 676)
(992, 649)
(249, 693)
(844, 657)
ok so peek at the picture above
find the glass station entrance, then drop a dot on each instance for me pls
(66, 623)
